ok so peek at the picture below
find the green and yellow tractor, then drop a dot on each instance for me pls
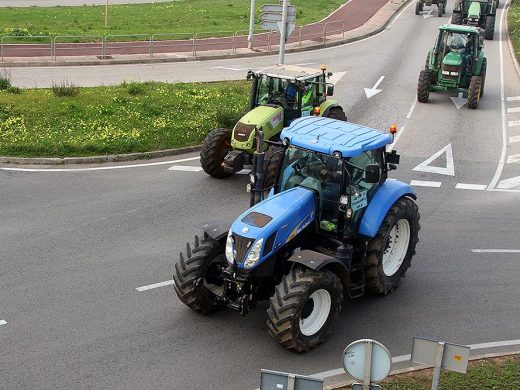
(455, 63)
(477, 13)
(279, 95)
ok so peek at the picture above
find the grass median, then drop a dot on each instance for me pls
(513, 22)
(190, 16)
(132, 117)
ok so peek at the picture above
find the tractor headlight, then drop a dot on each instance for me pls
(254, 254)
(230, 256)
(454, 73)
(446, 72)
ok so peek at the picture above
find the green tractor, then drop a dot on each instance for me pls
(477, 13)
(441, 6)
(279, 95)
(456, 63)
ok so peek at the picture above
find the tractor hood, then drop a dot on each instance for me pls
(275, 221)
(474, 10)
(270, 118)
(453, 58)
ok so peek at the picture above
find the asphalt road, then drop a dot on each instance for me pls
(75, 245)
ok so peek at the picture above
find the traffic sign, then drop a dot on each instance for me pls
(278, 8)
(276, 17)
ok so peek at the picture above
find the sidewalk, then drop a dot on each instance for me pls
(355, 19)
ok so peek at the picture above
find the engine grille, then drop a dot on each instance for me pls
(242, 245)
(242, 131)
(450, 68)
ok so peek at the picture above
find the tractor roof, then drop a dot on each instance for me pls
(459, 28)
(327, 136)
(290, 72)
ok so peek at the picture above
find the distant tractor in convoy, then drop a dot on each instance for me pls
(476, 13)
(332, 225)
(441, 6)
(279, 95)
(456, 63)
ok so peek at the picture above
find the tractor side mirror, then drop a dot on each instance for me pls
(330, 90)
(372, 174)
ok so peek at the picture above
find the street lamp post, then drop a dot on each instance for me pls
(106, 13)
(251, 25)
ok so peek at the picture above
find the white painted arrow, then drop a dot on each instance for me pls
(374, 91)
(513, 159)
(459, 101)
(450, 165)
(427, 14)
(507, 184)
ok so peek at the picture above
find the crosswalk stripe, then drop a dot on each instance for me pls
(513, 110)
(513, 159)
(514, 138)
(513, 123)
(507, 184)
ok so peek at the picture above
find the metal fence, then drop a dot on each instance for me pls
(148, 46)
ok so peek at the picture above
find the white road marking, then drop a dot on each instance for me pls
(513, 123)
(186, 168)
(100, 168)
(459, 101)
(513, 98)
(427, 14)
(404, 358)
(495, 250)
(305, 63)
(513, 159)
(403, 126)
(423, 183)
(369, 92)
(155, 285)
(506, 184)
(513, 110)
(476, 187)
(450, 165)
(244, 172)
(500, 166)
(514, 139)
(3, 322)
(229, 68)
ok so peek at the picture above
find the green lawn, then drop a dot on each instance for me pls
(183, 16)
(127, 118)
(499, 373)
(514, 26)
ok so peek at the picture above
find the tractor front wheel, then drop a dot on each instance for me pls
(456, 18)
(440, 9)
(337, 113)
(474, 91)
(197, 274)
(273, 159)
(303, 308)
(489, 29)
(390, 252)
(418, 7)
(214, 148)
(423, 86)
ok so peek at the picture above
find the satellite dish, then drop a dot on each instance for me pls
(355, 359)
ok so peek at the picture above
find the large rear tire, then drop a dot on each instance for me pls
(474, 92)
(489, 29)
(337, 113)
(423, 86)
(390, 252)
(456, 18)
(197, 273)
(303, 308)
(214, 148)
(440, 9)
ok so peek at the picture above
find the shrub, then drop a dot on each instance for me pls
(135, 89)
(5, 82)
(15, 90)
(65, 89)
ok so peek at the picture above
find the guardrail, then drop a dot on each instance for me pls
(149, 46)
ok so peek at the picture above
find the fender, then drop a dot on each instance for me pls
(327, 105)
(383, 200)
(314, 260)
(216, 228)
(480, 60)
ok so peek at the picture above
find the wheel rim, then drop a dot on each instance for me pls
(315, 312)
(397, 247)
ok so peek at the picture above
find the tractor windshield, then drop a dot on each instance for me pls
(320, 173)
(277, 91)
(452, 41)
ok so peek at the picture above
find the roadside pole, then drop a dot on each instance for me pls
(106, 13)
(251, 25)
(283, 32)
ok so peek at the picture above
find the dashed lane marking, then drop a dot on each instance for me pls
(513, 110)
(513, 159)
(186, 168)
(155, 285)
(495, 250)
(506, 184)
(423, 183)
(475, 187)
(513, 98)
(513, 123)
(3, 322)
(514, 139)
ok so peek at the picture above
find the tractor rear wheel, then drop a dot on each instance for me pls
(273, 159)
(214, 148)
(423, 86)
(390, 252)
(483, 70)
(489, 29)
(474, 91)
(456, 18)
(337, 113)
(197, 274)
(440, 9)
(303, 307)
(418, 7)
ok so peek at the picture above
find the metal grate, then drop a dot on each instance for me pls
(242, 245)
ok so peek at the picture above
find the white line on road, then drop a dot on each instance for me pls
(3, 322)
(100, 168)
(513, 159)
(155, 285)
(476, 187)
(502, 159)
(495, 250)
(403, 126)
(423, 183)
(509, 183)
(513, 123)
(450, 165)
(228, 68)
(513, 110)
(186, 168)
(513, 98)
(514, 139)
(305, 63)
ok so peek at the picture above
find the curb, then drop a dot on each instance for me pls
(423, 367)
(98, 159)
(309, 47)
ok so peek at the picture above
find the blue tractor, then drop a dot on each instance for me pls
(332, 225)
